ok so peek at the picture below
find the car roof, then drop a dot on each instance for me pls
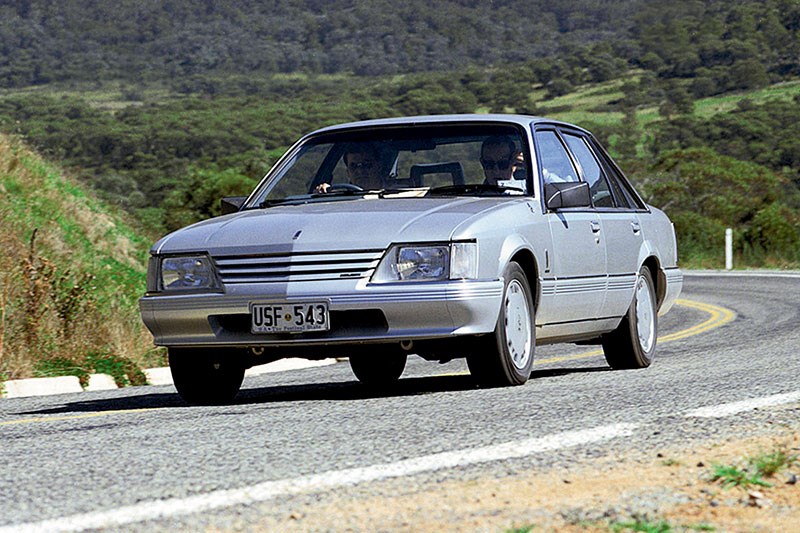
(522, 120)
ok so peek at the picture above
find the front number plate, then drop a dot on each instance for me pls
(289, 317)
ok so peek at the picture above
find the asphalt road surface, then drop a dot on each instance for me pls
(139, 459)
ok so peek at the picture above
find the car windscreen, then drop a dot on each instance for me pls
(391, 161)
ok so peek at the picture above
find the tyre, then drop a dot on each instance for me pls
(506, 356)
(206, 377)
(378, 370)
(633, 343)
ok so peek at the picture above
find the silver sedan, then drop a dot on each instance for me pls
(473, 236)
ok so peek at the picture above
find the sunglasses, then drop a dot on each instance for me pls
(489, 164)
(361, 165)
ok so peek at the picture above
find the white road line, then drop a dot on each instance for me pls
(162, 509)
(727, 409)
(743, 273)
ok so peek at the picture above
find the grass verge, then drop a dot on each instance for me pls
(71, 274)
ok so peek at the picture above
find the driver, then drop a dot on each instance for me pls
(363, 164)
(500, 159)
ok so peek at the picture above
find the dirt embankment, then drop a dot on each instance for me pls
(670, 491)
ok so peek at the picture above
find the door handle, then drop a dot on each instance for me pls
(595, 226)
(636, 227)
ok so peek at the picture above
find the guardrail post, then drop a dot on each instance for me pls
(728, 249)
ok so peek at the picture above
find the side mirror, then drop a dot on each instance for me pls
(232, 204)
(566, 195)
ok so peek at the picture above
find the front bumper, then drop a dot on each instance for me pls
(360, 313)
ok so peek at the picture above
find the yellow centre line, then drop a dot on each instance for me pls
(718, 317)
(76, 417)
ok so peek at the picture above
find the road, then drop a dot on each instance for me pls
(139, 459)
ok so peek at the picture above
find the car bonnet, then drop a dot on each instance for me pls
(359, 224)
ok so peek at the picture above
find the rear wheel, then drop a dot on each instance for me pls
(206, 376)
(506, 356)
(377, 370)
(633, 343)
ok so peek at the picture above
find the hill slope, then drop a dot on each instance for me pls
(70, 276)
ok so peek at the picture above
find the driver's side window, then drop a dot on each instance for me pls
(298, 175)
(556, 164)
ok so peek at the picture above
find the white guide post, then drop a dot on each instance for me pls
(728, 249)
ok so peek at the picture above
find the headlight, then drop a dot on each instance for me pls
(428, 263)
(187, 273)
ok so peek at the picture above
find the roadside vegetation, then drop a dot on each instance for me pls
(70, 274)
(755, 470)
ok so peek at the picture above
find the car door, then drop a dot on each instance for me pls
(574, 280)
(620, 222)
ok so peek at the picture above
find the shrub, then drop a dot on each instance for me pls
(61, 366)
(705, 192)
(124, 371)
(776, 230)
(701, 239)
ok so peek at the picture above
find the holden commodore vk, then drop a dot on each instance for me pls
(472, 236)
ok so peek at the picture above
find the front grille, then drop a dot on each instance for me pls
(299, 266)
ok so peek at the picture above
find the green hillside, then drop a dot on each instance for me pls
(71, 272)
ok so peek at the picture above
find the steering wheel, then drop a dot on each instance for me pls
(345, 187)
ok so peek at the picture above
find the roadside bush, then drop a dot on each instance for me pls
(124, 371)
(705, 192)
(198, 196)
(775, 231)
(61, 366)
(776, 228)
(701, 240)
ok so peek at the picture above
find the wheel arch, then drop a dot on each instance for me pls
(527, 261)
(659, 278)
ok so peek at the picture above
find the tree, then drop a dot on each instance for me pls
(748, 74)
(198, 196)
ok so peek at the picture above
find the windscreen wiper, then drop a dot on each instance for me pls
(281, 201)
(306, 198)
(339, 192)
(383, 192)
(473, 188)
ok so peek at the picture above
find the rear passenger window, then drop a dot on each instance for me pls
(626, 199)
(592, 173)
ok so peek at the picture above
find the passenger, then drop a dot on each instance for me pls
(500, 159)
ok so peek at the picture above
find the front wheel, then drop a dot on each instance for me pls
(506, 356)
(633, 343)
(205, 376)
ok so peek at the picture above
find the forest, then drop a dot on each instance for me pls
(165, 106)
(48, 41)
